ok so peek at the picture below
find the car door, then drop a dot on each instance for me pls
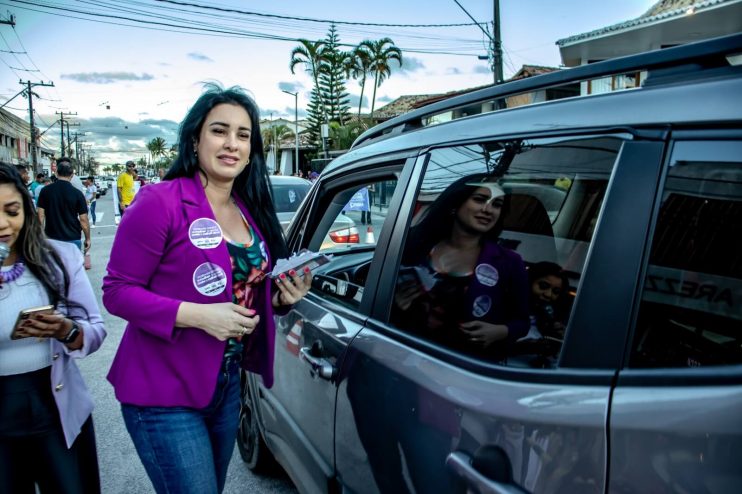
(346, 219)
(675, 419)
(418, 413)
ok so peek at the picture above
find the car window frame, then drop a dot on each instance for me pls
(703, 145)
(578, 368)
(372, 170)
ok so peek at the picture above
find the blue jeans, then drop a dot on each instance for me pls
(187, 450)
(92, 211)
(76, 242)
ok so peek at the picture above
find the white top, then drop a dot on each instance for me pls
(25, 354)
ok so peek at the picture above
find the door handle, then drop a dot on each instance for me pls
(320, 367)
(460, 464)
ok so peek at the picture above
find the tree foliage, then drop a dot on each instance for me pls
(332, 89)
(383, 52)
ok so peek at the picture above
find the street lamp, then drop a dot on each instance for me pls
(296, 123)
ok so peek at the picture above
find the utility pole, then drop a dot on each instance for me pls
(497, 48)
(61, 129)
(29, 85)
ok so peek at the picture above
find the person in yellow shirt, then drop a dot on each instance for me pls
(125, 186)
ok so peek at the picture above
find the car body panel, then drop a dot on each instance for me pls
(400, 413)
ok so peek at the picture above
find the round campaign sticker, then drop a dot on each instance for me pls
(487, 274)
(209, 279)
(205, 233)
(482, 305)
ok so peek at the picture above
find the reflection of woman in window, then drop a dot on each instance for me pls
(457, 284)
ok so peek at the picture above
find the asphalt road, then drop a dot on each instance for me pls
(120, 468)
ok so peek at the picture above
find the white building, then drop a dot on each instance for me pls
(667, 23)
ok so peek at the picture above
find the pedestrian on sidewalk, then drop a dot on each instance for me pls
(188, 272)
(125, 187)
(46, 426)
(62, 208)
(91, 196)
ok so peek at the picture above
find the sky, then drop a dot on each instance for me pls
(130, 69)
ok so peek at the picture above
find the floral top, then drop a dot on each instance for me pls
(249, 265)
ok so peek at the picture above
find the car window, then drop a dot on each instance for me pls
(690, 313)
(288, 196)
(352, 220)
(496, 245)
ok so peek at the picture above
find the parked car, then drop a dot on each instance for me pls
(288, 194)
(636, 194)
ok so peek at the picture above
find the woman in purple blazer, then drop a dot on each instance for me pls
(188, 272)
(46, 427)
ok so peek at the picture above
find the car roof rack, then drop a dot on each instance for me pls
(687, 58)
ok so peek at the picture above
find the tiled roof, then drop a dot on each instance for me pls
(407, 103)
(532, 70)
(401, 105)
(660, 11)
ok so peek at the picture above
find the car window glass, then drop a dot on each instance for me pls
(690, 313)
(288, 196)
(496, 245)
(348, 230)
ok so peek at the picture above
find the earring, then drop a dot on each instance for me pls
(195, 152)
(248, 162)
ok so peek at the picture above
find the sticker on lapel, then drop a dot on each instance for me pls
(209, 279)
(487, 274)
(205, 233)
(482, 305)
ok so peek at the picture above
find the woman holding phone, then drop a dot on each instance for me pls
(188, 272)
(48, 319)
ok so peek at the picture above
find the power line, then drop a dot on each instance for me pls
(143, 24)
(309, 19)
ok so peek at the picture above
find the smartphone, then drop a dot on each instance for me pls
(18, 332)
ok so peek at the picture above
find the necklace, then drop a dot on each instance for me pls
(14, 273)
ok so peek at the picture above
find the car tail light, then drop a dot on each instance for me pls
(345, 236)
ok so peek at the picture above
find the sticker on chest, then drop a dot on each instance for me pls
(487, 274)
(209, 279)
(205, 233)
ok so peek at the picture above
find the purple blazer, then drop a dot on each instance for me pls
(68, 388)
(162, 256)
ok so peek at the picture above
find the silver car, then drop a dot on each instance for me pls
(631, 382)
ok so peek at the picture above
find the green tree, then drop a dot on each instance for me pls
(157, 147)
(343, 136)
(332, 79)
(275, 135)
(357, 65)
(382, 51)
(315, 118)
(311, 54)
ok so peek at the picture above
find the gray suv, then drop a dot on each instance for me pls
(627, 379)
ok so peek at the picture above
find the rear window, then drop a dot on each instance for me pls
(287, 197)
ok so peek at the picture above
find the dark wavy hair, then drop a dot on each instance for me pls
(438, 219)
(253, 184)
(40, 258)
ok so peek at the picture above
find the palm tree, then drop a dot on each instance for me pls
(343, 136)
(157, 147)
(275, 134)
(382, 52)
(311, 54)
(357, 65)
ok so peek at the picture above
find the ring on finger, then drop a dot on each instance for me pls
(245, 330)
